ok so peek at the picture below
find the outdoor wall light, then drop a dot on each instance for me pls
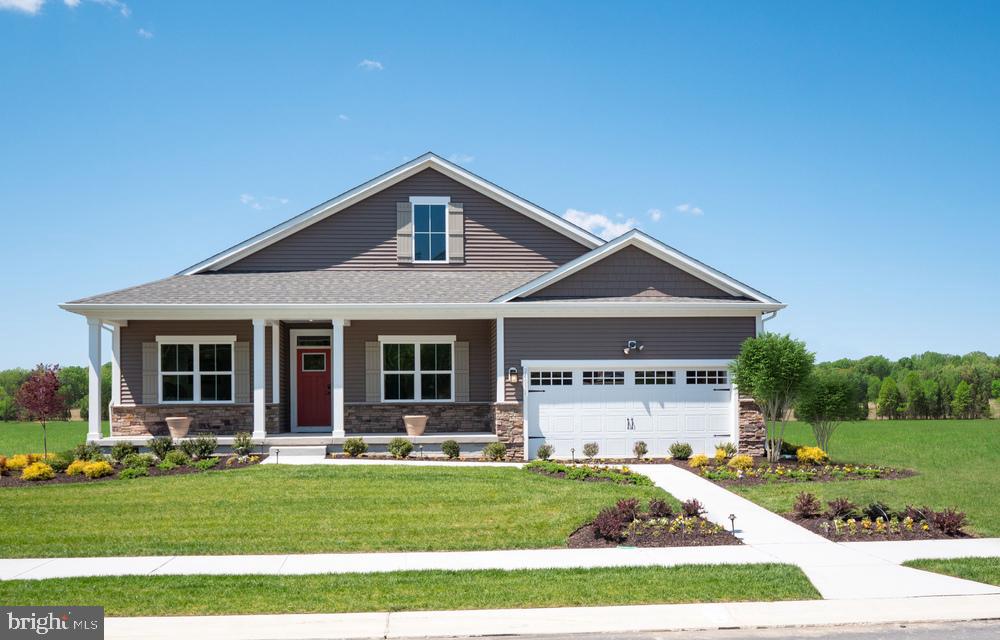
(512, 375)
(632, 346)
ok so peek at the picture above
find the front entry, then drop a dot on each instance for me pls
(313, 387)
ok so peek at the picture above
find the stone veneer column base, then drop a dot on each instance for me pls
(508, 421)
(206, 419)
(753, 429)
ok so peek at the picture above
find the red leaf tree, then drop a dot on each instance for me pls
(39, 396)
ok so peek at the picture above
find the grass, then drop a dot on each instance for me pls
(26, 437)
(956, 461)
(414, 590)
(985, 570)
(303, 509)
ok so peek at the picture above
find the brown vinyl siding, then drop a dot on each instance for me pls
(630, 272)
(603, 339)
(363, 236)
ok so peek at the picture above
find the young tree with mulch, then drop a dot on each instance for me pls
(772, 370)
(39, 397)
(827, 399)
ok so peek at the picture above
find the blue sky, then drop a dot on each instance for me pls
(842, 157)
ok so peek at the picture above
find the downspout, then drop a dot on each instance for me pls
(765, 317)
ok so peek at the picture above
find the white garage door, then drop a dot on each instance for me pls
(567, 407)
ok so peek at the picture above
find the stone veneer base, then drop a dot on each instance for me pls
(206, 419)
(753, 429)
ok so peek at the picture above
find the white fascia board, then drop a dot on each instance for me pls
(656, 248)
(623, 363)
(373, 186)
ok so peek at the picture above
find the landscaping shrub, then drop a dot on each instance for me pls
(161, 446)
(877, 510)
(680, 451)
(177, 458)
(692, 508)
(495, 451)
(545, 451)
(609, 524)
(789, 449)
(61, 461)
(917, 514)
(811, 455)
(76, 467)
(355, 447)
(121, 450)
(400, 448)
(451, 449)
(19, 462)
(948, 521)
(200, 447)
(87, 451)
(700, 460)
(727, 448)
(131, 473)
(741, 462)
(242, 444)
(42, 471)
(590, 449)
(660, 508)
(640, 449)
(807, 505)
(623, 475)
(3, 465)
(841, 508)
(205, 463)
(98, 469)
(138, 461)
(167, 466)
(628, 508)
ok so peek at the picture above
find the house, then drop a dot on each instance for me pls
(431, 291)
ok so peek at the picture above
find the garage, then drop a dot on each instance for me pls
(616, 404)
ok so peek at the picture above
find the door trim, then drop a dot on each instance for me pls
(293, 372)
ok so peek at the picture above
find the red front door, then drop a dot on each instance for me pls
(313, 387)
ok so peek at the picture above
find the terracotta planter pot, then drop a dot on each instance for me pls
(415, 425)
(178, 426)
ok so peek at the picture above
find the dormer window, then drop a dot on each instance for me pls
(430, 229)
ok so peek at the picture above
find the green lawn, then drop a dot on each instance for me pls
(985, 570)
(956, 460)
(414, 590)
(26, 437)
(303, 509)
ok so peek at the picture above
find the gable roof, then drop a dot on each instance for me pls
(391, 177)
(645, 242)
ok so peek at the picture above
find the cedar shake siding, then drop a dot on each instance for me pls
(603, 339)
(363, 236)
(630, 273)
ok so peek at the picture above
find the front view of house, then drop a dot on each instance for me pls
(431, 291)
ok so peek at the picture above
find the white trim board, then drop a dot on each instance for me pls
(649, 244)
(400, 173)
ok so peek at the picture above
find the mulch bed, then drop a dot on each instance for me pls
(14, 477)
(870, 535)
(653, 535)
(823, 473)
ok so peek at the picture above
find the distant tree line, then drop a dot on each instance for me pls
(73, 387)
(928, 385)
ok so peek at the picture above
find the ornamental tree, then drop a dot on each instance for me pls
(772, 370)
(828, 398)
(39, 397)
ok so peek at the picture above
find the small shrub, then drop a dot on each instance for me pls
(789, 449)
(167, 466)
(609, 525)
(60, 461)
(98, 469)
(917, 514)
(87, 451)
(640, 449)
(948, 521)
(138, 461)
(18, 462)
(698, 461)
(811, 455)
(545, 451)
(680, 451)
(741, 462)
(131, 473)
(841, 508)
(200, 448)
(692, 508)
(727, 448)
(451, 449)
(39, 471)
(807, 505)
(355, 447)
(495, 451)
(590, 449)
(161, 446)
(121, 450)
(242, 444)
(3, 464)
(877, 510)
(177, 458)
(400, 448)
(628, 508)
(205, 463)
(660, 508)
(76, 467)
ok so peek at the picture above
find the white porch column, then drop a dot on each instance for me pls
(501, 372)
(275, 361)
(116, 365)
(259, 407)
(337, 378)
(94, 366)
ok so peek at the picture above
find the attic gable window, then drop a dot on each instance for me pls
(430, 229)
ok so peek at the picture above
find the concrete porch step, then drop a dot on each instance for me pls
(298, 451)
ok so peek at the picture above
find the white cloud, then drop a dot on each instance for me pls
(145, 34)
(689, 209)
(116, 4)
(262, 204)
(25, 6)
(461, 158)
(72, 3)
(599, 223)
(343, 117)
(655, 215)
(371, 65)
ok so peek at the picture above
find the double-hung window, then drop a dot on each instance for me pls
(196, 370)
(417, 369)
(430, 229)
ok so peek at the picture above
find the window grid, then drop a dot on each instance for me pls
(551, 378)
(430, 233)
(655, 377)
(603, 377)
(196, 372)
(707, 376)
(417, 371)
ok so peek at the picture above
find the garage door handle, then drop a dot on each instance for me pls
(536, 390)
(722, 389)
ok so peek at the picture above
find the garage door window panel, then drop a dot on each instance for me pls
(551, 378)
(603, 378)
(659, 377)
(707, 376)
